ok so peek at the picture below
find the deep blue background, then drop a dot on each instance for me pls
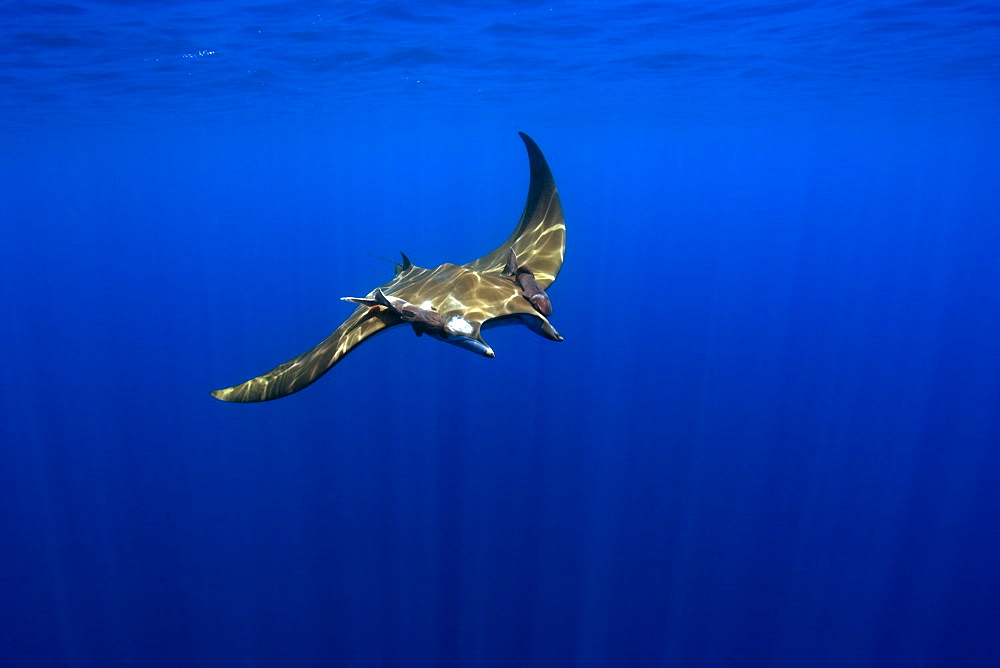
(771, 437)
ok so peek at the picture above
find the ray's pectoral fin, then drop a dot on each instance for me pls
(539, 239)
(525, 279)
(303, 370)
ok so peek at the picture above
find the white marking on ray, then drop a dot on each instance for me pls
(460, 325)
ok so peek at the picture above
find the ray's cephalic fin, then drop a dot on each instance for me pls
(423, 320)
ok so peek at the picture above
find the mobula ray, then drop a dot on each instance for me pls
(452, 303)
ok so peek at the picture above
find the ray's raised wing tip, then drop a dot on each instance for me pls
(535, 158)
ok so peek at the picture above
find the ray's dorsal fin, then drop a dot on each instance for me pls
(401, 267)
(405, 265)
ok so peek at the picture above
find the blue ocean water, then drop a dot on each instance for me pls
(770, 438)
